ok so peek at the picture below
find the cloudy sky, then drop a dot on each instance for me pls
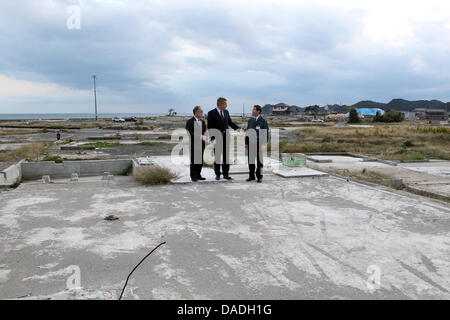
(151, 55)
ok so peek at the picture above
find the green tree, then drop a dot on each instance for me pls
(312, 109)
(353, 116)
(378, 117)
(389, 116)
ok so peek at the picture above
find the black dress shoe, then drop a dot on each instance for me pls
(194, 179)
(218, 177)
(228, 177)
(201, 178)
(259, 180)
(251, 179)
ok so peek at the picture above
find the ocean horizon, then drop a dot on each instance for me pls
(67, 116)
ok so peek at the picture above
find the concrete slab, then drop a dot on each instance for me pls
(335, 158)
(426, 176)
(438, 171)
(436, 168)
(180, 166)
(282, 239)
(298, 172)
(10, 174)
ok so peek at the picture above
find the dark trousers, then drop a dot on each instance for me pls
(258, 164)
(222, 154)
(196, 168)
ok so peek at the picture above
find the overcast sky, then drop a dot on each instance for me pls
(151, 55)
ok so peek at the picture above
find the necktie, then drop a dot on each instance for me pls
(221, 114)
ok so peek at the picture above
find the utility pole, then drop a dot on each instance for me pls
(95, 96)
(243, 110)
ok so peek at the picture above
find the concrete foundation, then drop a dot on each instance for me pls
(281, 239)
(35, 170)
(180, 166)
(11, 174)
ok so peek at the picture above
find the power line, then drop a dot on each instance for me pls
(95, 97)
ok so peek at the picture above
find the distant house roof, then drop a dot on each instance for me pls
(337, 116)
(368, 111)
(281, 107)
(429, 110)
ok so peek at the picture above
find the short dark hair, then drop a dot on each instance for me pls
(196, 109)
(258, 107)
(220, 100)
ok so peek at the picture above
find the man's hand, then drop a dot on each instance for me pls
(263, 147)
(203, 137)
(246, 147)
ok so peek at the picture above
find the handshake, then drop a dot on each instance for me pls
(213, 140)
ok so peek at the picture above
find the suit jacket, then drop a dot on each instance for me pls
(215, 121)
(190, 128)
(262, 123)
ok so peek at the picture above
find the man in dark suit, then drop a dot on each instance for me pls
(255, 142)
(196, 128)
(219, 119)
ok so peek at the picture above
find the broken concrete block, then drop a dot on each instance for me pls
(45, 179)
(107, 176)
(396, 183)
(74, 177)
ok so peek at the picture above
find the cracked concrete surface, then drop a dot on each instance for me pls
(309, 238)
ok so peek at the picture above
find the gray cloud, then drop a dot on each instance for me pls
(151, 55)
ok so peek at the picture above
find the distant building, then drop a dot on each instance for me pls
(409, 115)
(431, 114)
(337, 116)
(368, 111)
(282, 109)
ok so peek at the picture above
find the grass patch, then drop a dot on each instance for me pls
(152, 143)
(288, 147)
(408, 144)
(28, 151)
(13, 132)
(16, 183)
(102, 144)
(367, 175)
(71, 124)
(430, 129)
(127, 171)
(299, 123)
(154, 175)
(58, 159)
(414, 154)
(66, 142)
(393, 142)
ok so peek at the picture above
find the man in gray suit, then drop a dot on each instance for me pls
(255, 142)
